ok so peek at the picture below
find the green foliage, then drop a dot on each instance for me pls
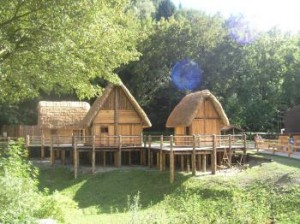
(20, 199)
(62, 46)
(165, 9)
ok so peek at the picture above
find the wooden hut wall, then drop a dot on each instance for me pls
(20, 130)
(207, 120)
(117, 117)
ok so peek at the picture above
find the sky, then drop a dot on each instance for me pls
(261, 14)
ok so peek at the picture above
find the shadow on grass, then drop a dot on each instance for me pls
(109, 192)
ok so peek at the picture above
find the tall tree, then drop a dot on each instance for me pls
(62, 45)
(165, 9)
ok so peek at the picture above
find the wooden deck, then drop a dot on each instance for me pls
(187, 152)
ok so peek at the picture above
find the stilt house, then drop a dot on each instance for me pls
(114, 113)
(198, 113)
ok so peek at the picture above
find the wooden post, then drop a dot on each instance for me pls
(52, 156)
(199, 162)
(194, 156)
(120, 152)
(93, 155)
(214, 156)
(204, 163)
(230, 150)
(104, 159)
(289, 150)
(63, 156)
(129, 158)
(149, 150)
(188, 165)
(171, 160)
(245, 148)
(182, 162)
(42, 148)
(161, 153)
(27, 141)
(164, 162)
(75, 154)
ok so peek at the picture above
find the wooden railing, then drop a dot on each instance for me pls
(275, 145)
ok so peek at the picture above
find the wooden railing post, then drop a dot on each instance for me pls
(75, 158)
(194, 156)
(214, 156)
(230, 150)
(42, 148)
(93, 155)
(171, 160)
(161, 153)
(149, 150)
(120, 152)
(52, 156)
(245, 148)
(27, 141)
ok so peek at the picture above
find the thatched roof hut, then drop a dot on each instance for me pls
(292, 120)
(187, 109)
(102, 100)
(64, 114)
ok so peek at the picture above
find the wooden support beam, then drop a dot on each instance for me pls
(199, 162)
(104, 158)
(172, 175)
(120, 152)
(93, 155)
(75, 154)
(194, 156)
(129, 158)
(161, 153)
(63, 156)
(203, 163)
(42, 148)
(164, 162)
(245, 148)
(214, 156)
(149, 151)
(230, 150)
(52, 154)
(182, 162)
(188, 165)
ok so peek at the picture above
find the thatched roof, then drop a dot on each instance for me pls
(292, 120)
(99, 102)
(184, 113)
(64, 114)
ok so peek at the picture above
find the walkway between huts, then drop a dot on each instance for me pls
(187, 152)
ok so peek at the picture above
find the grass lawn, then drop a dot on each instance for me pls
(265, 193)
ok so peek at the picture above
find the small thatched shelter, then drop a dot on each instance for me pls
(198, 113)
(114, 113)
(61, 118)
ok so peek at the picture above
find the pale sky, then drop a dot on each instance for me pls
(262, 14)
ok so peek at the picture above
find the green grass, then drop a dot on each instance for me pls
(265, 193)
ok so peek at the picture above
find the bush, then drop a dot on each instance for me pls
(20, 199)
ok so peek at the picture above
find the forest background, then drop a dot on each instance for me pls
(69, 50)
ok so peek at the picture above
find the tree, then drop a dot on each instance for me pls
(62, 46)
(165, 9)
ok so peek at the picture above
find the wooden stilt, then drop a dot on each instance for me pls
(230, 150)
(214, 156)
(120, 152)
(157, 159)
(104, 158)
(188, 165)
(93, 155)
(129, 158)
(161, 153)
(182, 162)
(199, 162)
(42, 148)
(164, 162)
(194, 156)
(63, 156)
(141, 157)
(75, 154)
(52, 154)
(245, 148)
(204, 163)
(149, 151)
(172, 176)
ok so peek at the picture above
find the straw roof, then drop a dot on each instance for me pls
(64, 114)
(184, 113)
(100, 101)
(292, 120)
